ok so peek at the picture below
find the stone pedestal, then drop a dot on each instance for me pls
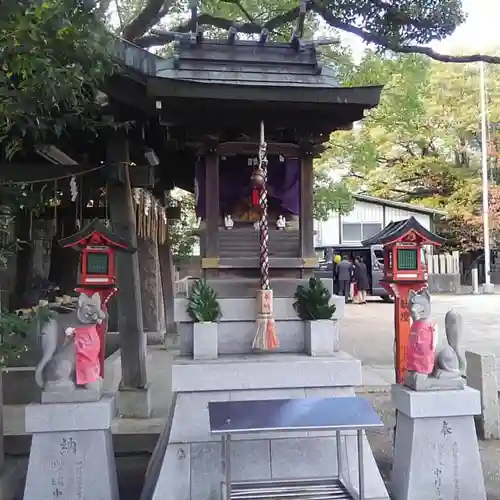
(436, 452)
(187, 461)
(71, 453)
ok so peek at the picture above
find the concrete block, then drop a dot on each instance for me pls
(77, 465)
(266, 371)
(250, 460)
(71, 452)
(427, 404)
(205, 340)
(206, 472)
(321, 337)
(236, 337)
(174, 480)
(436, 453)
(190, 422)
(134, 403)
(244, 309)
(245, 287)
(68, 416)
(481, 375)
(303, 458)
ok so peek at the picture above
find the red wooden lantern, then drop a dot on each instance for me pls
(98, 247)
(404, 270)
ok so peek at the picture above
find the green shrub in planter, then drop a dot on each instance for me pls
(313, 302)
(203, 306)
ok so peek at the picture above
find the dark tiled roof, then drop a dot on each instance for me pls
(395, 230)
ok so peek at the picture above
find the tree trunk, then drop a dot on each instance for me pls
(149, 269)
(43, 234)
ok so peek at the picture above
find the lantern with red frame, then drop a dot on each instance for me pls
(98, 247)
(404, 270)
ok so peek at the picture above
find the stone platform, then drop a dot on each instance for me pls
(436, 453)
(236, 329)
(187, 461)
(71, 453)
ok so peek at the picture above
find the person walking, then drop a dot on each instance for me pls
(335, 262)
(361, 280)
(344, 274)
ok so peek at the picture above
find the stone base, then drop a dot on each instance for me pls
(134, 403)
(187, 461)
(74, 396)
(71, 452)
(436, 453)
(321, 337)
(421, 382)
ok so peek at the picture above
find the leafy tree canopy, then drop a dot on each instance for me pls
(422, 143)
(406, 26)
(54, 55)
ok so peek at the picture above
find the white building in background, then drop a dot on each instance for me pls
(369, 216)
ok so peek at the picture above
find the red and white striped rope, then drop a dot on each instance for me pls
(263, 223)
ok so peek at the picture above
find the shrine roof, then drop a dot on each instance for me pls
(96, 226)
(398, 229)
(244, 70)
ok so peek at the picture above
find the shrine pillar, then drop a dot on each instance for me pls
(133, 398)
(150, 290)
(306, 222)
(212, 204)
(167, 287)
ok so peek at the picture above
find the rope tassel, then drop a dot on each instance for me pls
(265, 338)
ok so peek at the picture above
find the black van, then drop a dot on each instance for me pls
(372, 256)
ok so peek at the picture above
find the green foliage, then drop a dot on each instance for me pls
(182, 232)
(330, 196)
(203, 304)
(14, 331)
(54, 56)
(420, 145)
(313, 302)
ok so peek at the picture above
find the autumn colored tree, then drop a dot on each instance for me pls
(422, 143)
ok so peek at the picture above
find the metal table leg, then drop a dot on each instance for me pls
(226, 466)
(339, 456)
(361, 470)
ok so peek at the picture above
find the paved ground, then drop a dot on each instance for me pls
(367, 332)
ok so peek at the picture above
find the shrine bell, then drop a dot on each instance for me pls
(404, 270)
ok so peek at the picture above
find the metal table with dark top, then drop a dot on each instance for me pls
(291, 415)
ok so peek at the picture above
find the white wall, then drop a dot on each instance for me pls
(328, 233)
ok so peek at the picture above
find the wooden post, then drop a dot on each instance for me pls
(130, 325)
(212, 204)
(167, 284)
(402, 331)
(149, 270)
(306, 207)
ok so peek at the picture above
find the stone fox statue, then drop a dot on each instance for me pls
(430, 368)
(70, 346)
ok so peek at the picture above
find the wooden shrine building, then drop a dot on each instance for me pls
(210, 98)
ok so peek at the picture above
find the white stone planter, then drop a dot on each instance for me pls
(205, 340)
(321, 337)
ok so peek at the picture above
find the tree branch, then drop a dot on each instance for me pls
(158, 37)
(152, 13)
(369, 37)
